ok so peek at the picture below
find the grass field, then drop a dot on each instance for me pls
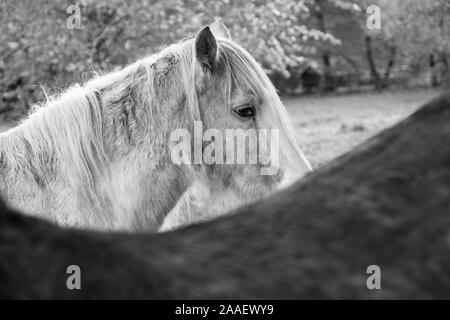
(329, 126)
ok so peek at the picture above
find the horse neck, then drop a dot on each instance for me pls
(144, 183)
(133, 191)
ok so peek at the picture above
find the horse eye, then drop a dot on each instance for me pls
(245, 111)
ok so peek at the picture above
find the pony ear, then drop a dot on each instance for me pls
(219, 29)
(206, 48)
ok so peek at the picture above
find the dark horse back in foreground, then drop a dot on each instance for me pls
(386, 204)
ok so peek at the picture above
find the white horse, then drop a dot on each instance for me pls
(99, 155)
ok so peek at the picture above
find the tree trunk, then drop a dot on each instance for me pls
(327, 77)
(433, 71)
(446, 70)
(373, 69)
(384, 204)
(390, 65)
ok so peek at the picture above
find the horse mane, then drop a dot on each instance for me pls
(70, 126)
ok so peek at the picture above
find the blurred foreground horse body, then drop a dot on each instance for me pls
(99, 155)
(386, 203)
